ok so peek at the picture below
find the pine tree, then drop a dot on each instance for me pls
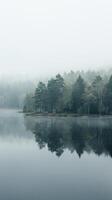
(77, 94)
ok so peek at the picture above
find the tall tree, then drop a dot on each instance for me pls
(55, 92)
(77, 94)
(97, 90)
(89, 101)
(108, 97)
(41, 97)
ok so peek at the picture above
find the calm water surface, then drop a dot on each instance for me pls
(55, 158)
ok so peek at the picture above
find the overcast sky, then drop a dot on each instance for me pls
(46, 36)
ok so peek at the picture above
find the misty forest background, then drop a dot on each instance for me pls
(74, 92)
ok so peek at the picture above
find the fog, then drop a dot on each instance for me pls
(41, 38)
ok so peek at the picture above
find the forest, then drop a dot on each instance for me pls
(75, 92)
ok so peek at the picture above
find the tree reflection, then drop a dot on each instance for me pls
(50, 135)
(88, 135)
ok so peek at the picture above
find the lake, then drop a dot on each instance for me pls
(55, 158)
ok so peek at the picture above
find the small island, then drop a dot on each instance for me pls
(74, 94)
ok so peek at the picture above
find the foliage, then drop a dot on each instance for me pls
(77, 95)
(80, 96)
(108, 97)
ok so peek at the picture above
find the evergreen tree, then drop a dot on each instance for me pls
(89, 101)
(97, 90)
(108, 97)
(41, 97)
(77, 95)
(55, 93)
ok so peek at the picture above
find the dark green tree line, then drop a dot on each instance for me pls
(81, 97)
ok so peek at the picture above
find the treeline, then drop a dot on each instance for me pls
(80, 97)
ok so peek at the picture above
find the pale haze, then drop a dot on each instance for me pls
(45, 37)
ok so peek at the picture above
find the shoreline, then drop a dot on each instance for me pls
(62, 114)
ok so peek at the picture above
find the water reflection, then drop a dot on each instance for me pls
(12, 126)
(75, 134)
(26, 172)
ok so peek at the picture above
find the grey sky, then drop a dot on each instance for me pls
(45, 36)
